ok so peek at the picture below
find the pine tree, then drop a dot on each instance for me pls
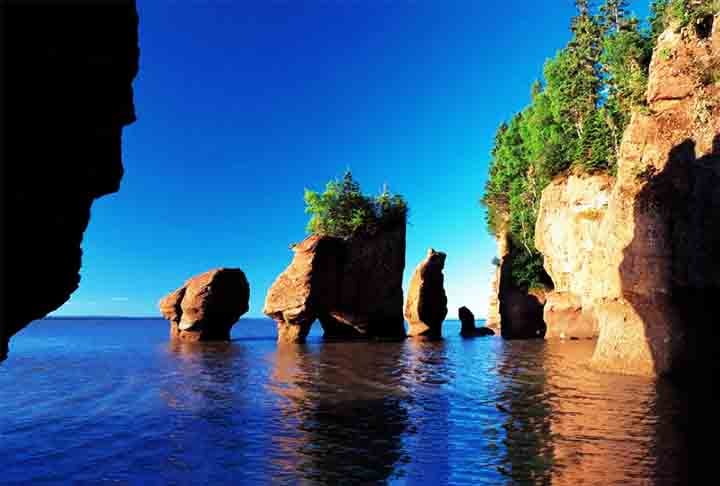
(613, 14)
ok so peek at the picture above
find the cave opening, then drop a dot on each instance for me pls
(704, 26)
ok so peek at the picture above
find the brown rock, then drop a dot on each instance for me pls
(207, 306)
(354, 287)
(68, 74)
(649, 261)
(426, 305)
(566, 319)
(468, 329)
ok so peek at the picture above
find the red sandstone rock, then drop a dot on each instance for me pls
(353, 287)
(566, 318)
(426, 305)
(207, 306)
(649, 262)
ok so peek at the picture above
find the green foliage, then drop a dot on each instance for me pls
(664, 13)
(343, 211)
(574, 121)
(527, 270)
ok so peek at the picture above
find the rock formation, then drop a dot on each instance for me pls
(354, 287)
(515, 312)
(468, 329)
(69, 72)
(426, 305)
(648, 263)
(207, 305)
(566, 233)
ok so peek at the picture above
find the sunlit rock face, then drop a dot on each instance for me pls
(68, 74)
(353, 287)
(566, 232)
(426, 304)
(649, 263)
(207, 305)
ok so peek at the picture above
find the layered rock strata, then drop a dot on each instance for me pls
(649, 264)
(207, 306)
(353, 287)
(426, 304)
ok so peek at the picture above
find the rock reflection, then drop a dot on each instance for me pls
(567, 424)
(203, 375)
(610, 427)
(342, 411)
(523, 398)
(427, 374)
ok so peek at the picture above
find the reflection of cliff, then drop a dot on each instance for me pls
(621, 429)
(528, 436)
(69, 70)
(344, 411)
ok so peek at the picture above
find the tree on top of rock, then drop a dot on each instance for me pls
(343, 211)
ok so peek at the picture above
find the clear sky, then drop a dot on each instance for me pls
(242, 105)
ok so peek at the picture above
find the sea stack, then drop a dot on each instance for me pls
(426, 305)
(207, 306)
(352, 286)
(468, 329)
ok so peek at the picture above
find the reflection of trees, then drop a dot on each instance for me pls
(528, 439)
(343, 414)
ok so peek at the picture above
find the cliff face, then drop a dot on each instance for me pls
(567, 233)
(515, 313)
(353, 287)
(649, 263)
(69, 76)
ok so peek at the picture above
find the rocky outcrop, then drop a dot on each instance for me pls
(207, 305)
(649, 263)
(69, 72)
(467, 321)
(493, 314)
(354, 287)
(515, 312)
(426, 305)
(567, 233)
(566, 318)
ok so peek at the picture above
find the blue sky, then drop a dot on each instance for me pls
(242, 105)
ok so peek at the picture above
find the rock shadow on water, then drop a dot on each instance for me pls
(342, 412)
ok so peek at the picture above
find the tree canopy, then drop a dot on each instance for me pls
(343, 211)
(576, 116)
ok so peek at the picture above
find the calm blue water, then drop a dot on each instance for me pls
(112, 401)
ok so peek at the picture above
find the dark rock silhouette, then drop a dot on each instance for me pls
(354, 287)
(69, 72)
(207, 306)
(426, 305)
(468, 329)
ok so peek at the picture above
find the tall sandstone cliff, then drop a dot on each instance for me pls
(69, 71)
(640, 256)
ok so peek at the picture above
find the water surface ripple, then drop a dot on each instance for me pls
(102, 400)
